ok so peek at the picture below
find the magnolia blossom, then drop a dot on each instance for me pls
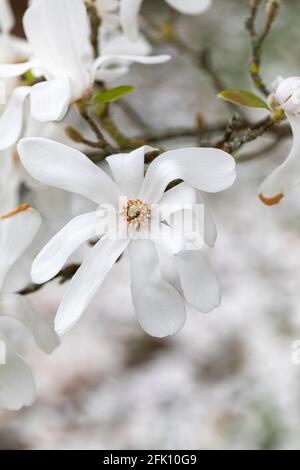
(287, 175)
(17, 387)
(129, 10)
(58, 32)
(163, 275)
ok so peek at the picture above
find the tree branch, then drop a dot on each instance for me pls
(257, 40)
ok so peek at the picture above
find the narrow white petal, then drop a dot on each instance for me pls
(287, 175)
(7, 19)
(50, 100)
(159, 307)
(119, 60)
(107, 75)
(168, 265)
(54, 255)
(87, 281)
(190, 7)
(206, 169)
(15, 70)
(119, 44)
(199, 283)
(63, 167)
(178, 198)
(210, 228)
(17, 386)
(17, 231)
(19, 308)
(11, 120)
(129, 11)
(128, 170)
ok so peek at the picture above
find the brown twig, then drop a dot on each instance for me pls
(257, 40)
(64, 275)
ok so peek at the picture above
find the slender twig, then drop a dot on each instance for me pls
(262, 152)
(257, 40)
(64, 275)
(250, 134)
(95, 23)
(87, 117)
(111, 127)
(132, 114)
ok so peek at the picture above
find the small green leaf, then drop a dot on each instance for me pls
(113, 94)
(243, 98)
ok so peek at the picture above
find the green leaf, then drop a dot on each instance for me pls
(113, 94)
(243, 98)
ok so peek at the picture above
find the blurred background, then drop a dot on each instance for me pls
(226, 381)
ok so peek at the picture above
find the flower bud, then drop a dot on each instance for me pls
(288, 95)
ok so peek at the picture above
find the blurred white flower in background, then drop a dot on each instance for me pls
(17, 387)
(129, 11)
(12, 49)
(287, 175)
(159, 283)
(59, 35)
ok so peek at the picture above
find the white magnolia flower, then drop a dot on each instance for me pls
(17, 387)
(287, 175)
(129, 11)
(161, 281)
(58, 32)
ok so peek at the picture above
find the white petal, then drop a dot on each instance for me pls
(175, 199)
(11, 120)
(210, 228)
(119, 60)
(50, 100)
(199, 283)
(190, 7)
(159, 307)
(54, 255)
(168, 265)
(17, 231)
(107, 75)
(59, 34)
(129, 11)
(287, 175)
(184, 197)
(17, 387)
(287, 94)
(19, 308)
(128, 170)
(63, 167)
(119, 44)
(206, 169)
(7, 19)
(87, 281)
(15, 70)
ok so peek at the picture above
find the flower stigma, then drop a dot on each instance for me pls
(136, 212)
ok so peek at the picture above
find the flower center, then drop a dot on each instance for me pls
(136, 212)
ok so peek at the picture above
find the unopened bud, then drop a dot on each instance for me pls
(272, 9)
(74, 135)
